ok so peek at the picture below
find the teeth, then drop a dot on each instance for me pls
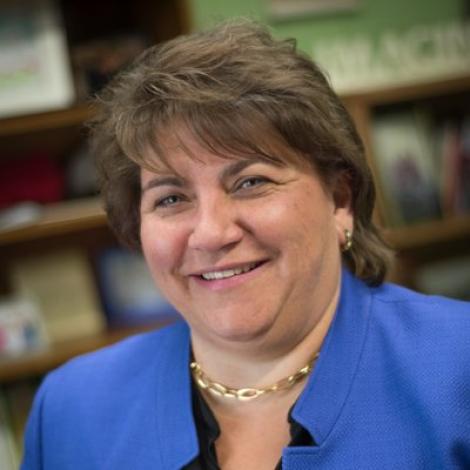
(228, 272)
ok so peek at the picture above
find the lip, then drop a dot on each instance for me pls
(225, 267)
(229, 282)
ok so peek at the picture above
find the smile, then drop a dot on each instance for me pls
(226, 273)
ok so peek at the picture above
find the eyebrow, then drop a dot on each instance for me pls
(169, 180)
(239, 165)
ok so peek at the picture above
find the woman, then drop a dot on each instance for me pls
(227, 159)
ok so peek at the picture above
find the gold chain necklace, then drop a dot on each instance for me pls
(245, 394)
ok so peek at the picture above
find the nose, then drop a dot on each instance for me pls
(216, 225)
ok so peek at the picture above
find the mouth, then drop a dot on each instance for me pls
(231, 272)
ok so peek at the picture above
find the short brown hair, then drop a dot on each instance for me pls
(236, 89)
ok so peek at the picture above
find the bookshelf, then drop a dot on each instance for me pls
(74, 223)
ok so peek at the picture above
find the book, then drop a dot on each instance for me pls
(463, 191)
(9, 458)
(62, 284)
(450, 150)
(18, 398)
(35, 74)
(454, 161)
(403, 142)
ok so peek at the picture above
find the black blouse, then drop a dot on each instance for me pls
(208, 431)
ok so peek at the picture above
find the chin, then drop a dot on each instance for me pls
(240, 332)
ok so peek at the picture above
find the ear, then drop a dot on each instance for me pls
(343, 212)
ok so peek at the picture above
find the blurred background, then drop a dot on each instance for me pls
(402, 69)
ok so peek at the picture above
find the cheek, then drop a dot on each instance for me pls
(306, 229)
(296, 221)
(162, 250)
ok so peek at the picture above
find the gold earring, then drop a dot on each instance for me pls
(348, 243)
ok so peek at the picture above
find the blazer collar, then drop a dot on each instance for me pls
(320, 404)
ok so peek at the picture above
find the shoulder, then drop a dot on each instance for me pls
(402, 300)
(119, 387)
(401, 311)
(423, 330)
(413, 371)
(117, 366)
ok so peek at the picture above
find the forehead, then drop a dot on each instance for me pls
(179, 144)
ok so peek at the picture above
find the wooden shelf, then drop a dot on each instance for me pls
(410, 92)
(45, 121)
(429, 233)
(39, 363)
(57, 219)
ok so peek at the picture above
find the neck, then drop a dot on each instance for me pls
(256, 365)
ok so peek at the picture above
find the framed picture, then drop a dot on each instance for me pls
(35, 74)
(293, 8)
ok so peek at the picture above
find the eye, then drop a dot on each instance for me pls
(251, 182)
(168, 201)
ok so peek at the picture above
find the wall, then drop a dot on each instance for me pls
(377, 44)
(372, 16)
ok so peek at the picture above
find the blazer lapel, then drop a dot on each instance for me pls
(176, 429)
(320, 405)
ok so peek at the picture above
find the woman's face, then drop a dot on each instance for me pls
(245, 249)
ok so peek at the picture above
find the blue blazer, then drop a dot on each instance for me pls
(391, 390)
